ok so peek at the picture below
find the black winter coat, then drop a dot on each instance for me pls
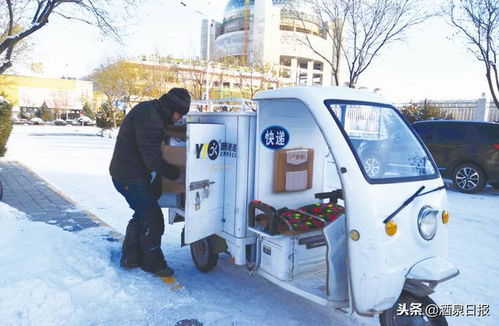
(138, 147)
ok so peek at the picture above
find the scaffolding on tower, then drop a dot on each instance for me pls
(246, 31)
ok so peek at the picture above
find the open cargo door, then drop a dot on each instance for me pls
(204, 181)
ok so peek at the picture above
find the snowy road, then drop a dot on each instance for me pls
(75, 161)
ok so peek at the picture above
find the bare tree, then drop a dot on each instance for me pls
(108, 80)
(256, 77)
(125, 82)
(332, 16)
(360, 29)
(19, 19)
(59, 102)
(193, 77)
(478, 22)
(141, 81)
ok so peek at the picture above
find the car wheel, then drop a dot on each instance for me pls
(372, 165)
(468, 178)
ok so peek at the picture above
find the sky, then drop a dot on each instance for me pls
(429, 64)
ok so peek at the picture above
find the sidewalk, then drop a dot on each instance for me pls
(27, 192)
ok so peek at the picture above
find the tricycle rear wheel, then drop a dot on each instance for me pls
(203, 256)
(407, 300)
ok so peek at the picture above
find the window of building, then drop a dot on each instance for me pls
(234, 25)
(303, 30)
(318, 66)
(302, 79)
(286, 28)
(303, 64)
(317, 79)
(285, 73)
(285, 61)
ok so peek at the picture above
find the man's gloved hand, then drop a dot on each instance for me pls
(156, 185)
(181, 178)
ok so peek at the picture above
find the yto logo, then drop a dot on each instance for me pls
(215, 149)
(210, 150)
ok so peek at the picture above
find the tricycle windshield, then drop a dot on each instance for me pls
(386, 148)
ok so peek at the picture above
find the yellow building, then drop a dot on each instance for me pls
(223, 79)
(65, 96)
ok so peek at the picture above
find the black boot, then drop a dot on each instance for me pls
(153, 259)
(130, 251)
(152, 228)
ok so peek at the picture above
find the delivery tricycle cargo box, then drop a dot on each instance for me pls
(174, 155)
(173, 151)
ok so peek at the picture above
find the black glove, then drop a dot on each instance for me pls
(156, 185)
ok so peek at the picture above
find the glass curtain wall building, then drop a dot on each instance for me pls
(275, 35)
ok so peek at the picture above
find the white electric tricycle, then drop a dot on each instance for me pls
(326, 192)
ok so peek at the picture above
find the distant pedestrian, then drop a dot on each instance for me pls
(137, 154)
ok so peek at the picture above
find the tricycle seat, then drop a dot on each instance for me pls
(290, 221)
(309, 217)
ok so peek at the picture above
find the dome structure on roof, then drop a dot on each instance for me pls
(271, 35)
(235, 8)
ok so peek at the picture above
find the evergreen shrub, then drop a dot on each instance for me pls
(5, 124)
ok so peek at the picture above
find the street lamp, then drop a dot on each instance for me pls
(207, 94)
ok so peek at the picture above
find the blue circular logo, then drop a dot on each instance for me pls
(213, 150)
(275, 137)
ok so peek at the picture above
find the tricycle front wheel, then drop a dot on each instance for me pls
(203, 256)
(411, 310)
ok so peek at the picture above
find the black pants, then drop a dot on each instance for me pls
(143, 199)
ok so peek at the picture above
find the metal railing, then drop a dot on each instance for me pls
(224, 105)
(461, 109)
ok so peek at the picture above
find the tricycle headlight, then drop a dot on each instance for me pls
(427, 222)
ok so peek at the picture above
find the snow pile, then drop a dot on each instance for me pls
(473, 244)
(53, 277)
(108, 133)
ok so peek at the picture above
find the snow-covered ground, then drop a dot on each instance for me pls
(49, 276)
(53, 277)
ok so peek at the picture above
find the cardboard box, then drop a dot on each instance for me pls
(176, 131)
(174, 155)
(293, 169)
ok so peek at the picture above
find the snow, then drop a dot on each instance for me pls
(54, 277)
(75, 161)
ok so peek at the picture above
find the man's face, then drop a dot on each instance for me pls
(176, 117)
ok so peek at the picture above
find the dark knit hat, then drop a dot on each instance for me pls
(177, 100)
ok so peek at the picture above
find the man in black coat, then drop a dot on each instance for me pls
(137, 155)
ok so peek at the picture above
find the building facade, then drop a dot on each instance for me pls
(273, 32)
(64, 96)
(222, 80)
